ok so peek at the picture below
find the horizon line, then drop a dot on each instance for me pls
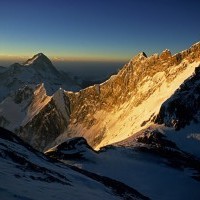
(22, 58)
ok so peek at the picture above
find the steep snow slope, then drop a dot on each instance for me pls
(183, 106)
(178, 118)
(27, 174)
(151, 163)
(36, 70)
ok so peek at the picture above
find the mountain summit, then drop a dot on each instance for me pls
(36, 70)
(38, 59)
(42, 65)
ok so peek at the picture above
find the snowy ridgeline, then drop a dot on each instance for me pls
(115, 172)
(29, 174)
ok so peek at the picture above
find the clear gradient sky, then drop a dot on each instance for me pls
(97, 29)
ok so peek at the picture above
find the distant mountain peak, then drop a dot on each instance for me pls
(40, 54)
(37, 59)
(43, 65)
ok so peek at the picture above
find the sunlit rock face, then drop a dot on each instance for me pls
(130, 100)
(116, 109)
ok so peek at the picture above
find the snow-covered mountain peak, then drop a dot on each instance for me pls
(34, 71)
(42, 65)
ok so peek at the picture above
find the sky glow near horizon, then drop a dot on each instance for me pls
(89, 30)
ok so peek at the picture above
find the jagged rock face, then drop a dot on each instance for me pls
(183, 106)
(130, 99)
(35, 116)
(46, 125)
